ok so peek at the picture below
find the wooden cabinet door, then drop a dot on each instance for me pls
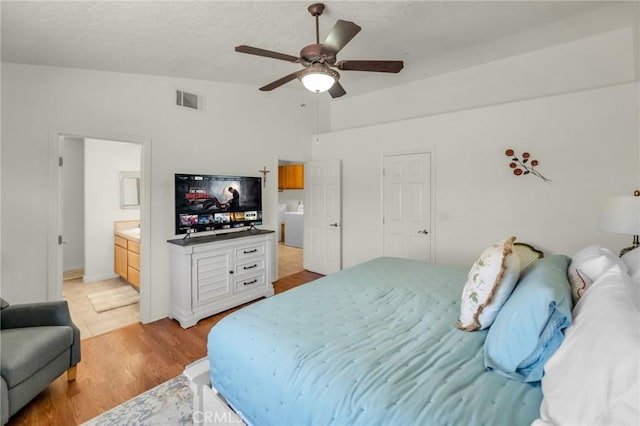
(120, 261)
(291, 176)
(297, 178)
(282, 177)
(211, 274)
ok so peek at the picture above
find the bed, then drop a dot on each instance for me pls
(373, 344)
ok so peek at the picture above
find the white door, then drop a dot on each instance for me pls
(407, 206)
(322, 216)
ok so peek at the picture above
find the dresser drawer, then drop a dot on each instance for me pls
(133, 260)
(134, 246)
(251, 267)
(250, 283)
(120, 241)
(248, 251)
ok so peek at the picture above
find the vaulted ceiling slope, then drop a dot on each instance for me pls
(196, 39)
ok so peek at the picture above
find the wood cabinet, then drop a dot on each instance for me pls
(214, 273)
(126, 259)
(120, 256)
(291, 176)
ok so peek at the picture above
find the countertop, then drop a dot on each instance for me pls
(132, 234)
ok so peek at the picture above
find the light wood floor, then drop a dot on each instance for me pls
(121, 364)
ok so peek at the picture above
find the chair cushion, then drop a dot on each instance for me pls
(27, 350)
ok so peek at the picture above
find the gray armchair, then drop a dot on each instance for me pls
(38, 342)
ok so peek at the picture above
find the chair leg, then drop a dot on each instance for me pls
(71, 373)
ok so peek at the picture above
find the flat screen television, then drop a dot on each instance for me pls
(212, 202)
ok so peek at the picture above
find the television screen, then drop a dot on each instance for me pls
(211, 202)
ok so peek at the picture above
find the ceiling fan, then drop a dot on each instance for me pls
(318, 59)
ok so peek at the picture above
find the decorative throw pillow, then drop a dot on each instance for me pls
(592, 379)
(530, 326)
(3, 303)
(587, 265)
(490, 282)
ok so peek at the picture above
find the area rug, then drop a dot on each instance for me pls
(118, 297)
(170, 403)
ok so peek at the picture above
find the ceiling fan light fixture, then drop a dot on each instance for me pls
(318, 78)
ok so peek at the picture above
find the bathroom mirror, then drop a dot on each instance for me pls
(129, 190)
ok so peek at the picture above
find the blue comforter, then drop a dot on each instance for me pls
(372, 345)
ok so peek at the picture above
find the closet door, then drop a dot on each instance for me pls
(323, 216)
(407, 206)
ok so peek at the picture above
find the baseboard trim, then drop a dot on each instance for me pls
(73, 274)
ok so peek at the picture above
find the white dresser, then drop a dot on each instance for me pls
(211, 274)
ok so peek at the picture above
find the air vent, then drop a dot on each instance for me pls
(189, 100)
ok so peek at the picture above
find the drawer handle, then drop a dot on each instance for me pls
(250, 251)
(251, 267)
(250, 282)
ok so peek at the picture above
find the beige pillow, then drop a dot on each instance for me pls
(489, 284)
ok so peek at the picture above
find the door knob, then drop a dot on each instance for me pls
(335, 225)
(424, 231)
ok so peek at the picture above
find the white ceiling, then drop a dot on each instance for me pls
(192, 39)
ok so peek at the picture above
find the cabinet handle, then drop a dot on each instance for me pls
(251, 267)
(250, 251)
(250, 282)
(231, 272)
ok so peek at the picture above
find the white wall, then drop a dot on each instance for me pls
(241, 131)
(73, 203)
(104, 160)
(574, 106)
(596, 61)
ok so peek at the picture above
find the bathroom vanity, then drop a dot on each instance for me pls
(126, 251)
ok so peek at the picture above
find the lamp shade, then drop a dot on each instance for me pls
(318, 78)
(621, 215)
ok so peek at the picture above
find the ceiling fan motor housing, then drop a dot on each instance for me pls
(316, 54)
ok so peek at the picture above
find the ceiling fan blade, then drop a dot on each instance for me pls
(340, 35)
(280, 82)
(376, 66)
(266, 53)
(337, 90)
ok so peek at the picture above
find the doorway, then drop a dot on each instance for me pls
(407, 206)
(290, 224)
(61, 240)
(100, 212)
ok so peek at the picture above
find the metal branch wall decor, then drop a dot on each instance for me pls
(524, 166)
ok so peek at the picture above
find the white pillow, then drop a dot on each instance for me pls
(594, 376)
(587, 265)
(490, 282)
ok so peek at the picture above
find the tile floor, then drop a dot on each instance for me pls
(92, 323)
(289, 260)
(86, 318)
